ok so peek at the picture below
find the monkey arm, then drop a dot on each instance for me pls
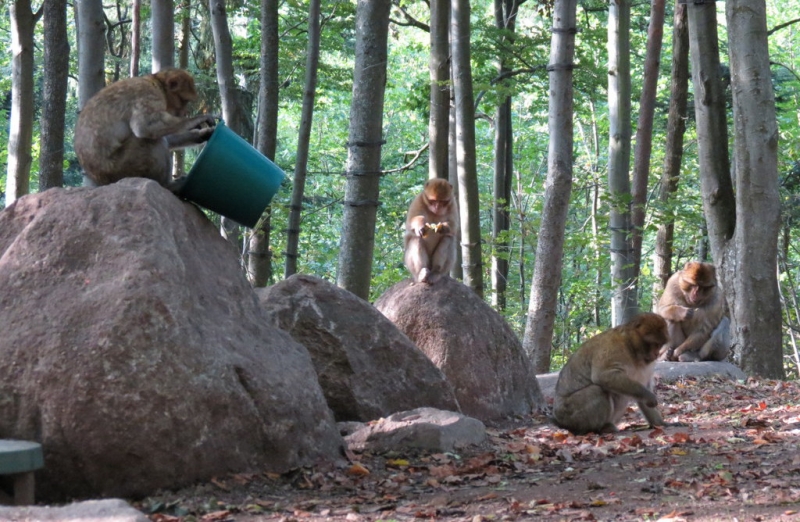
(416, 226)
(155, 125)
(616, 380)
(675, 313)
(189, 138)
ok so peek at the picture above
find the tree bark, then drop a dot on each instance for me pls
(756, 307)
(259, 266)
(465, 146)
(538, 337)
(644, 132)
(20, 135)
(505, 18)
(163, 34)
(304, 137)
(229, 94)
(136, 36)
(366, 138)
(625, 304)
(673, 149)
(54, 94)
(91, 49)
(439, 65)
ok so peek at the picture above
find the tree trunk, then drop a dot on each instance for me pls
(179, 156)
(91, 49)
(673, 149)
(259, 266)
(304, 137)
(469, 202)
(223, 47)
(625, 304)
(452, 169)
(439, 65)
(54, 94)
(136, 36)
(20, 135)
(163, 34)
(644, 132)
(505, 12)
(712, 129)
(538, 337)
(364, 143)
(756, 307)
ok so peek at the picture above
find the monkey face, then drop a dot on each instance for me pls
(438, 206)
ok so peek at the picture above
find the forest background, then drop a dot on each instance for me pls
(509, 66)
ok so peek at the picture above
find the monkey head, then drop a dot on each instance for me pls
(697, 282)
(178, 86)
(438, 195)
(652, 330)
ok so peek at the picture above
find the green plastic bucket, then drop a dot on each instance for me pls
(232, 178)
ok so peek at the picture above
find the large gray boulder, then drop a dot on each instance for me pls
(367, 368)
(134, 349)
(470, 342)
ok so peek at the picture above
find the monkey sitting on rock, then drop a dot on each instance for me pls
(696, 314)
(608, 372)
(129, 128)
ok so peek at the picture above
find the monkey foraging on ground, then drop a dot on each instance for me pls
(431, 232)
(129, 127)
(609, 371)
(694, 307)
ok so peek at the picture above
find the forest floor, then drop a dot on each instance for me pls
(736, 457)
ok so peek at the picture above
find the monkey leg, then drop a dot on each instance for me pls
(416, 258)
(444, 257)
(589, 409)
(717, 348)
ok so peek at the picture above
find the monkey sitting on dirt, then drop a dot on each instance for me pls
(609, 371)
(129, 128)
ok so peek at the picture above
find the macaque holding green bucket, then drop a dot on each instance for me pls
(232, 178)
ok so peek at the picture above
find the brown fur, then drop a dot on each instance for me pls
(696, 315)
(607, 372)
(431, 231)
(128, 128)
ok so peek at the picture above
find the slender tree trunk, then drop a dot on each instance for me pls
(136, 36)
(712, 129)
(304, 137)
(439, 65)
(179, 156)
(673, 149)
(452, 161)
(644, 132)
(365, 141)
(505, 17)
(465, 146)
(163, 30)
(625, 304)
(20, 136)
(91, 49)
(259, 267)
(756, 309)
(538, 338)
(229, 94)
(54, 94)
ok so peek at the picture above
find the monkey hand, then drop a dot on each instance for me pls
(207, 121)
(442, 228)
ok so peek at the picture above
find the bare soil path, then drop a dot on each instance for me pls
(735, 456)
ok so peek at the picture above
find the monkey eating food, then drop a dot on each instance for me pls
(697, 322)
(129, 128)
(431, 232)
(609, 371)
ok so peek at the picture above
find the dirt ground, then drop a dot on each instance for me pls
(735, 457)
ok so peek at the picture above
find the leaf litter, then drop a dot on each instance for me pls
(732, 452)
